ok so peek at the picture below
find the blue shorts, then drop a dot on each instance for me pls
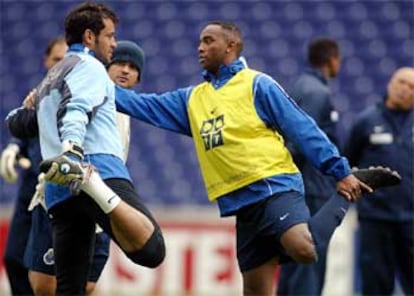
(260, 225)
(39, 250)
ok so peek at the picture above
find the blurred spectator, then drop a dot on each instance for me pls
(384, 134)
(311, 92)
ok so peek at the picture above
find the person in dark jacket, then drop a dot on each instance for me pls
(384, 134)
(25, 152)
(312, 93)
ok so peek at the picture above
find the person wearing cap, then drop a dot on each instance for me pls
(125, 69)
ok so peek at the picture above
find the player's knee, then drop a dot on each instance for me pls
(90, 286)
(305, 254)
(299, 245)
(41, 288)
(153, 252)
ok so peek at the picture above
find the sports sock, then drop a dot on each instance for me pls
(104, 196)
(323, 224)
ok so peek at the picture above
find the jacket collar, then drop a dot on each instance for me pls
(79, 47)
(225, 72)
(318, 74)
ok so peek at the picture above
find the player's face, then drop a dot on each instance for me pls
(105, 42)
(124, 74)
(334, 66)
(56, 54)
(212, 48)
(401, 90)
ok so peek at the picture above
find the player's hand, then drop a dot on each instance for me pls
(62, 170)
(8, 161)
(352, 188)
(39, 196)
(29, 101)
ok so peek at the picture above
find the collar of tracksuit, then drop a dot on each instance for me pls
(79, 47)
(225, 73)
(318, 74)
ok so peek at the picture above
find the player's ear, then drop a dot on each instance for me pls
(88, 37)
(231, 46)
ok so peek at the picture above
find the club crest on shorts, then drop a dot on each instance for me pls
(49, 257)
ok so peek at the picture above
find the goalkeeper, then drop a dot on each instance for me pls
(76, 116)
(28, 255)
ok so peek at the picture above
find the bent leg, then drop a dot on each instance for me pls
(323, 224)
(298, 244)
(300, 279)
(132, 226)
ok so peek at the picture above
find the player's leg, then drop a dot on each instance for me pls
(404, 246)
(260, 280)
(132, 226)
(73, 242)
(323, 224)
(304, 279)
(100, 257)
(376, 257)
(259, 228)
(39, 256)
(17, 239)
(301, 279)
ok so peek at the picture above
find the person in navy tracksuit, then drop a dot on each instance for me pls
(312, 93)
(21, 220)
(384, 134)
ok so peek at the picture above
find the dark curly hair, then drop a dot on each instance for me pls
(87, 15)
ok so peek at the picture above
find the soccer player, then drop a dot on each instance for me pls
(239, 119)
(125, 68)
(81, 95)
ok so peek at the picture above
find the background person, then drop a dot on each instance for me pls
(21, 221)
(312, 93)
(384, 134)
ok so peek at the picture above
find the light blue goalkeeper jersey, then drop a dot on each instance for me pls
(76, 102)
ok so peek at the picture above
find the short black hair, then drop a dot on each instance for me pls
(52, 43)
(320, 50)
(87, 15)
(234, 30)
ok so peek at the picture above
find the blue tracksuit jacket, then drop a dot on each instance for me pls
(384, 137)
(274, 107)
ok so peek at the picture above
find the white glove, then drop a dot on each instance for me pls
(39, 196)
(7, 163)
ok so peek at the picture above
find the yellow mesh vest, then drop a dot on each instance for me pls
(233, 145)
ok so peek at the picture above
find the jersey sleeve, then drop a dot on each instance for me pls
(166, 111)
(280, 112)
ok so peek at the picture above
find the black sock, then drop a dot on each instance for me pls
(323, 224)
